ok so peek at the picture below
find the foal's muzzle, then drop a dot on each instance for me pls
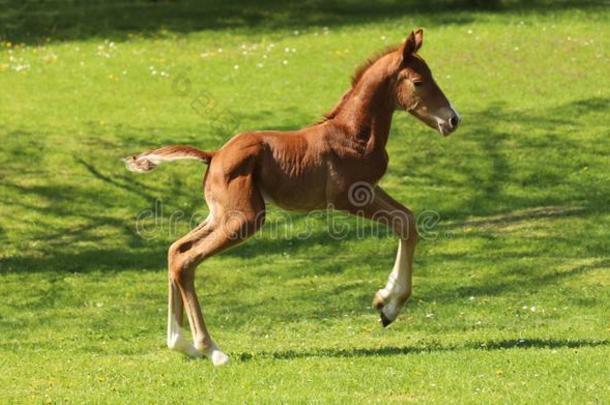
(450, 124)
(385, 321)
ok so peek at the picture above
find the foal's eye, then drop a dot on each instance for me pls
(418, 83)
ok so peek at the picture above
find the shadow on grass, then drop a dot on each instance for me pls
(87, 205)
(34, 22)
(519, 216)
(403, 350)
(487, 184)
(530, 281)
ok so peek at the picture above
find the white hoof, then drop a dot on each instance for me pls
(213, 353)
(180, 344)
(219, 358)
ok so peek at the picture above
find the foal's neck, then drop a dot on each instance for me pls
(366, 115)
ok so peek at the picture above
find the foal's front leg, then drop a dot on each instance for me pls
(390, 299)
(385, 210)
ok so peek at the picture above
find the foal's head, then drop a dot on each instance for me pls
(417, 92)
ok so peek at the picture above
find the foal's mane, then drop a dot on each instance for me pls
(358, 73)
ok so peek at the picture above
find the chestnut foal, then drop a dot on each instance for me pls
(312, 168)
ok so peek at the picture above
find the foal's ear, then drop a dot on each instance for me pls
(413, 43)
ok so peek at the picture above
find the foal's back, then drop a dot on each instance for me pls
(290, 168)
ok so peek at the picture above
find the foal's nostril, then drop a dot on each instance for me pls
(385, 321)
(454, 121)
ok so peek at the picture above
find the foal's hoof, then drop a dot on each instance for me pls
(384, 320)
(219, 358)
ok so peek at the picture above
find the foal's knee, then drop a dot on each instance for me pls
(405, 226)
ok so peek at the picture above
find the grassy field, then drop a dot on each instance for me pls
(511, 297)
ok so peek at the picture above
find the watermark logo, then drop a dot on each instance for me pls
(361, 194)
(159, 222)
(206, 105)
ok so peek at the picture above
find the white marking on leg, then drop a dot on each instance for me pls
(398, 283)
(175, 340)
(398, 280)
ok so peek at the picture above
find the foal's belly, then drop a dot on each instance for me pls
(294, 193)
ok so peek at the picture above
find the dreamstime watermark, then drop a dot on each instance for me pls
(205, 105)
(156, 223)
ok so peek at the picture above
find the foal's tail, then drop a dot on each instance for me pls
(146, 161)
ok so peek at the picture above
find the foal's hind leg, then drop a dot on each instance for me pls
(175, 315)
(239, 216)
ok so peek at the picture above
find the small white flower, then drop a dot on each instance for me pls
(236, 67)
(19, 68)
(469, 32)
(284, 62)
(259, 65)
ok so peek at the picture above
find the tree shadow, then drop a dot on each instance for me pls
(60, 20)
(76, 244)
(507, 344)
(481, 141)
(519, 216)
(531, 281)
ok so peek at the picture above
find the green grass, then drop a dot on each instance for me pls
(511, 294)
